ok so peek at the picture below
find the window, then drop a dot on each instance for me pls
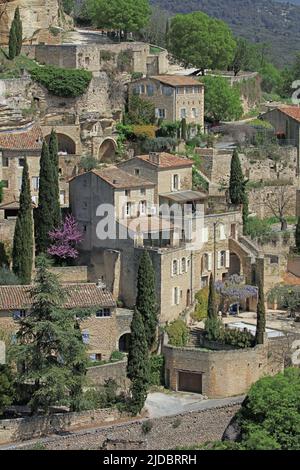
(4, 184)
(205, 235)
(222, 232)
(5, 162)
(85, 337)
(35, 181)
(143, 191)
(183, 265)
(223, 259)
(84, 228)
(128, 209)
(175, 182)
(180, 90)
(176, 296)
(183, 113)
(167, 90)
(127, 192)
(150, 90)
(174, 267)
(138, 90)
(204, 282)
(103, 312)
(21, 162)
(19, 314)
(136, 171)
(195, 113)
(143, 206)
(205, 262)
(62, 197)
(20, 183)
(160, 113)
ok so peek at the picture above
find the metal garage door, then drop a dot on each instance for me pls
(189, 382)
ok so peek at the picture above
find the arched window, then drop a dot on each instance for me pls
(223, 259)
(205, 262)
(222, 234)
(175, 267)
(183, 265)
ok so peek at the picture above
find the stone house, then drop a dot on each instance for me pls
(103, 332)
(286, 122)
(181, 269)
(174, 97)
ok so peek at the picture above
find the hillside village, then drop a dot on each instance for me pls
(149, 233)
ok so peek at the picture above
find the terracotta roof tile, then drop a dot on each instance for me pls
(120, 179)
(292, 111)
(167, 160)
(177, 80)
(79, 296)
(29, 138)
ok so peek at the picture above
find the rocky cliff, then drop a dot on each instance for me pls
(37, 17)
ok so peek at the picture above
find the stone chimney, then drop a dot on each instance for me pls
(154, 157)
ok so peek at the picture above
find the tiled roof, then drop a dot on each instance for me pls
(120, 179)
(29, 138)
(177, 80)
(167, 160)
(78, 296)
(292, 111)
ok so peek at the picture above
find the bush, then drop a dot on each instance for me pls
(157, 370)
(147, 426)
(116, 356)
(68, 83)
(88, 163)
(6, 387)
(160, 144)
(257, 228)
(201, 306)
(169, 129)
(237, 338)
(199, 183)
(144, 131)
(213, 329)
(136, 75)
(141, 111)
(7, 277)
(178, 333)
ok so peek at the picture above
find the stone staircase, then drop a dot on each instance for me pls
(194, 338)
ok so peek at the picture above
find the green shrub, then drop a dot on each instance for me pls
(237, 338)
(6, 387)
(199, 183)
(213, 329)
(124, 60)
(160, 144)
(201, 306)
(147, 426)
(141, 111)
(157, 370)
(116, 356)
(68, 83)
(136, 75)
(257, 228)
(88, 163)
(106, 56)
(178, 333)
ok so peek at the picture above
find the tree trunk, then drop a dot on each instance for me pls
(283, 224)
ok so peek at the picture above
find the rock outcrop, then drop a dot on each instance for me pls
(37, 17)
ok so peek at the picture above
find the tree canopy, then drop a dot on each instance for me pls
(124, 15)
(222, 102)
(197, 40)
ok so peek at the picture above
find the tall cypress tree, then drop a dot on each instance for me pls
(138, 363)
(183, 129)
(297, 235)
(22, 254)
(146, 297)
(44, 217)
(236, 182)
(212, 304)
(19, 31)
(12, 41)
(261, 314)
(53, 153)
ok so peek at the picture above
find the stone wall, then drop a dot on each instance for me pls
(7, 229)
(169, 432)
(115, 370)
(223, 373)
(293, 265)
(71, 274)
(259, 198)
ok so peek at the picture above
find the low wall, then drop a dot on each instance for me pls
(168, 432)
(116, 371)
(27, 428)
(71, 274)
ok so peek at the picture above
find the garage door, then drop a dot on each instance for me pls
(189, 382)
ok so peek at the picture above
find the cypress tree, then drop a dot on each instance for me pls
(44, 217)
(297, 235)
(138, 363)
(183, 129)
(53, 153)
(212, 304)
(146, 297)
(236, 183)
(261, 314)
(22, 254)
(19, 31)
(13, 41)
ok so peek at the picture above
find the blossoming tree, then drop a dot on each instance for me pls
(65, 239)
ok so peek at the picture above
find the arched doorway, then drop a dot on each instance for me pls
(107, 151)
(235, 265)
(124, 342)
(66, 145)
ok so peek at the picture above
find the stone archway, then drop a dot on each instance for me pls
(107, 151)
(235, 264)
(66, 145)
(123, 343)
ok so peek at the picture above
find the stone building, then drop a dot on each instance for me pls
(286, 122)
(104, 331)
(174, 97)
(136, 196)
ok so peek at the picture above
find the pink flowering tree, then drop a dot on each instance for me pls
(65, 239)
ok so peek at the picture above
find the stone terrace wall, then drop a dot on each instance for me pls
(116, 371)
(71, 274)
(185, 429)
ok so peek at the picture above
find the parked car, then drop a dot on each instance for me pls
(234, 309)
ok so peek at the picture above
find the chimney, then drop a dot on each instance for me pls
(154, 158)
